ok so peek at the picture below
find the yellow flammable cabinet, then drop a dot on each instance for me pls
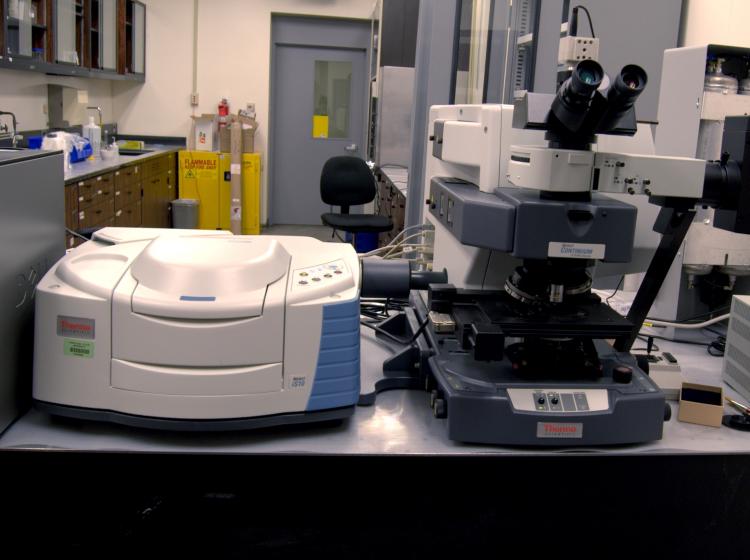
(205, 177)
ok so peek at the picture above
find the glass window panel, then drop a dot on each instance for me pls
(65, 32)
(331, 102)
(108, 34)
(139, 39)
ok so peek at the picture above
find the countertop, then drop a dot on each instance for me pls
(398, 177)
(400, 422)
(89, 168)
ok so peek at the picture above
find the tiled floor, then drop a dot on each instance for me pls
(318, 232)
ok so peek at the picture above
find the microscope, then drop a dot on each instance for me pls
(520, 350)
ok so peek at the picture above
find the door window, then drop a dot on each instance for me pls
(332, 95)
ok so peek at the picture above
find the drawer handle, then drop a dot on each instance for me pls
(80, 184)
(98, 212)
(117, 173)
(117, 193)
(98, 178)
(119, 213)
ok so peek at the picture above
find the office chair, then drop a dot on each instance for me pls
(347, 181)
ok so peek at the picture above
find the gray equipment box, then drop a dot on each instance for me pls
(32, 239)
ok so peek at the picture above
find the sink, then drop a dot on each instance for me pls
(125, 152)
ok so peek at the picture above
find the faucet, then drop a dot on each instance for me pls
(15, 137)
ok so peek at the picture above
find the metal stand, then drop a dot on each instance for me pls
(405, 369)
(673, 224)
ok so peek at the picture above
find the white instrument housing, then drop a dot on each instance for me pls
(199, 325)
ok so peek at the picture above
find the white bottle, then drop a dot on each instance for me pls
(94, 134)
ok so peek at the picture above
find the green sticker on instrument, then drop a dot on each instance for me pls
(78, 348)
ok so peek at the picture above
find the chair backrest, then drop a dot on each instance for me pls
(346, 181)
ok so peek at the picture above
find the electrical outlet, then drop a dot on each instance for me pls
(194, 99)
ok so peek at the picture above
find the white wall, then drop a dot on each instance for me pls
(721, 22)
(25, 94)
(234, 54)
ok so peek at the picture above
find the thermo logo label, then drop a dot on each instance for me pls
(576, 250)
(563, 430)
(76, 327)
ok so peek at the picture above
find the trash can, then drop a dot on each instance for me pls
(185, 213)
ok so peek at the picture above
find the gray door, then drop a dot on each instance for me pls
(318, 111)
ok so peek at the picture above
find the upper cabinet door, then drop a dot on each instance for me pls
(104, 34)
(19, 27)
(139, 38)
(69, 31)
(108, 33)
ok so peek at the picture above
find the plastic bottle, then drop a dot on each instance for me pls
(94, 134)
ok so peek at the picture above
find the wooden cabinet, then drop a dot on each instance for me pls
(131, 32)
(132, 196)
(391, 203)
(83, 38)
(158, 192)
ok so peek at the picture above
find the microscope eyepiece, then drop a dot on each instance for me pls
(572, 101)
(622, 94)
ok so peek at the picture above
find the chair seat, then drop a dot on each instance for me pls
(358, 223)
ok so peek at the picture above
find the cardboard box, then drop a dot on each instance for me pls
(205, 133)
(249, 126)
(701, 404)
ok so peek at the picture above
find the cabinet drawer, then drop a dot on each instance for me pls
(127, 194)
(71, 206)
(95, 190)
(127, 176)
(97, 214)
(130, 216)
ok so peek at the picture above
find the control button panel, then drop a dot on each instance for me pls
(559, 401)
(320, 275)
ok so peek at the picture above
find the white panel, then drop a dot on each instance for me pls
(146, 378)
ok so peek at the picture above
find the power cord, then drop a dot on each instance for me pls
(588, 16)
(617, 289)
(395, 338)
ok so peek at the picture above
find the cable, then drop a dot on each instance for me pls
(395, 338)
(704, 324)
(617, 288)
(718, 346)
(695, 317)
(395, 241)
(678, 341)
(588, 16)
(76, 234)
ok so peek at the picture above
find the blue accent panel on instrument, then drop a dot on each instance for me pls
(197, 298)
(337, 373)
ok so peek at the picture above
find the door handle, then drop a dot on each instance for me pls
(351, 148)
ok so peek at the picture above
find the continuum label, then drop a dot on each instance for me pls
(576, 250)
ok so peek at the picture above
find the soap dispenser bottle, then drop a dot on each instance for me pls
(93, 133)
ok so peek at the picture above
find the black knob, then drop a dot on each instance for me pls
(555, 400)
(622, 374)
(631, 190)
(540, 400)
(620, 164)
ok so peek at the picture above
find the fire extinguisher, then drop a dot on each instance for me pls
(223, 112)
